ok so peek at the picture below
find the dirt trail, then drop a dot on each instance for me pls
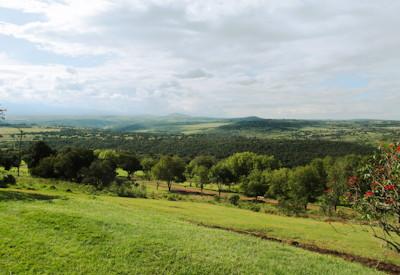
(382, 266)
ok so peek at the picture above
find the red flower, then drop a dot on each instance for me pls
(369, 194)
(398, 149)
(390, 187)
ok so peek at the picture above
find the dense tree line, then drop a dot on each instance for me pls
(290, 153)
(324, 180)
(79, 165)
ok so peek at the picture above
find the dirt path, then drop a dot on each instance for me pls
(382, 266)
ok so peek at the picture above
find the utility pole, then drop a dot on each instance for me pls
(21, 134)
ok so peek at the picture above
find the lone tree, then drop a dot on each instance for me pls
(169, 169)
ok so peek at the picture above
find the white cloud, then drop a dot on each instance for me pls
(268, 58)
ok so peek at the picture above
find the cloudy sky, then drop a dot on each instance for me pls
(274, 58)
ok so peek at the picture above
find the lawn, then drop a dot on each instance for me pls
(51, 232)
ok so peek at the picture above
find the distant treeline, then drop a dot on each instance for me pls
(290, 153)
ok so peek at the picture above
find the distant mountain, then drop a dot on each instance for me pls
(166, 123)
(256, 123)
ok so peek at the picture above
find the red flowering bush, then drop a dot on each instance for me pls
(376, 193)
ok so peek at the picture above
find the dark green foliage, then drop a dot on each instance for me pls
(7, 180)
(45, 168)
(268, 124)
(255, 184)
(100, 173)
(278, 183)
(38, 151)
(221, 174)
(290, 153)
(339, 172)
(169, 168)
(128, 162)
(295, 188)
(234, 199)
(70, 161)
(9, 160)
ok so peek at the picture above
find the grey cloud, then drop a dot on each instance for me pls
(196, 73)
(266, 58)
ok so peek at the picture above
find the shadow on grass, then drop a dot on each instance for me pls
(22, 196)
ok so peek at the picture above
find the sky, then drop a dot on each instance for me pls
(312, 59)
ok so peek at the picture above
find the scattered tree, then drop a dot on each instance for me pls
(169, 169)
(129, 163)
(221, 175)
(100, 173)
(147, 164)
(201, 175)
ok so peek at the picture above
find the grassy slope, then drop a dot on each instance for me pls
(337, 236)
(81, 234)
(349, 238)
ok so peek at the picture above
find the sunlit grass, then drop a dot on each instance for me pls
(82, 234)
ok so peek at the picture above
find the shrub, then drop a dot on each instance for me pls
(129, 190)
(44, 168)
(234, 199)
(7, 180)
(376, 193)
(217, 198)
(255, 208)
(291, 206)
(173, 197)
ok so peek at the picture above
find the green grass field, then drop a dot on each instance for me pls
(50, 232)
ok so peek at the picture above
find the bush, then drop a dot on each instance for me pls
(255, 208)
(173, 197)
(7, 180)
(44, 169)
(291, 206)
(129, 190)
(234, 199)
(376, 193)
